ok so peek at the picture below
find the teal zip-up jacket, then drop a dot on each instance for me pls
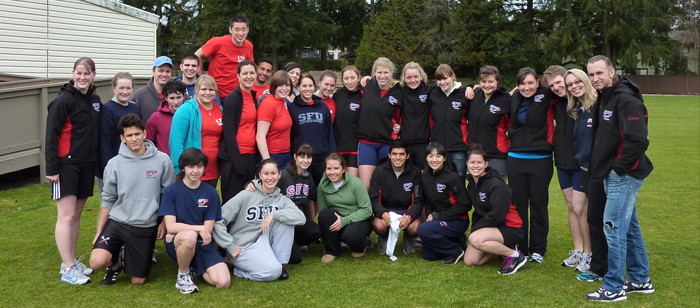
(351, 199)
(186, 130)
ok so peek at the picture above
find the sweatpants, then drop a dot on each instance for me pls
(263, 260)
(441, 239)
(231, 182)
(353, 234)
(596, 209)
(303, 235)
(529, 180)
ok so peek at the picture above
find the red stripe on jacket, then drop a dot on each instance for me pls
(64, 138)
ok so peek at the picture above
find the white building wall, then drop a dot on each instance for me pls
(23, 37)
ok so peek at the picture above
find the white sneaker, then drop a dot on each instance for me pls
(73, 275)
(574, 258)
(585, 264)
(83, 269)
(536, 257)
(185, 285)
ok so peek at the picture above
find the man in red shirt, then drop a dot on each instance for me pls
(264, 72)
(225, 53)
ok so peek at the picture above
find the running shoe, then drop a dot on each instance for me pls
(573, 260)
(409, 245)
(74, 275)
(83, 269)
(631, 287)
(111, 276)
(588, 276)
(585, 263)
(536, 257)
(605, 296)
(453, 260)
(512, 264)
(368, 242)
(381, 245)
(185, 285)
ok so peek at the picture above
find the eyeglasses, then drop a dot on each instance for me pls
(575, 83)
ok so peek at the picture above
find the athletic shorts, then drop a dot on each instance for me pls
(498, 164)
(204, 256)
(570, 178)
(369, 154)
(511, 236)
(350, 159)
(138, 246)
(74, 180)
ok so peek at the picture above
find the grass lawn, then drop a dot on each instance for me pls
(668, 210)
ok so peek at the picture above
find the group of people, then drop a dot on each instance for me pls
(300, 161)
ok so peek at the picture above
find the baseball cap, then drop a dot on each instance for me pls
(162, 60)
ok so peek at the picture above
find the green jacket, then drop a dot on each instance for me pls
(350, 199)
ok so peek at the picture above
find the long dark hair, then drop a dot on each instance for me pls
(440, 149)
(302, 149)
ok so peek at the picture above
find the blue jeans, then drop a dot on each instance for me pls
(459, 160)
(623, 234)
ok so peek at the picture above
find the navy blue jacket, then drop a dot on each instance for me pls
(312, 123)
(109, 131)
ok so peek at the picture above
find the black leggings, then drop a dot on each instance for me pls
(596, 207)
(303, 235)
(353, 234)
(231, 182)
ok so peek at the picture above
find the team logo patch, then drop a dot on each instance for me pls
(96, 106)
(241, 59)
(482, 197)
(441, 187)
(354, 106)
(443, 223)
(285, 104)
(607, 114)
(393, 101)
(104, 240)
(423, 98)
(538, 98)
(493, 109)
(456, 105)
(151, 174)
(220, 122)
(202, 202)
(589, 122)
(407, 186)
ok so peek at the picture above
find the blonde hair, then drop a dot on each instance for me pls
(205, 80)
(417, 66)
(382, 61)
(588, 99)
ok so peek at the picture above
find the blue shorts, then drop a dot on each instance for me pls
(369, 154)
(569, 178)
(204, 256)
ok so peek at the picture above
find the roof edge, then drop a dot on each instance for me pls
(126, 9)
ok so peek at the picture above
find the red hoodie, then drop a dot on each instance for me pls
(158, 127)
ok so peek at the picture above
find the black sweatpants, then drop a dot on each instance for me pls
(596, 207)
(353, 234)
(303, 235)
(231, 182)
(317, 168)
(529, 180)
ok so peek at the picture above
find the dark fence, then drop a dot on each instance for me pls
(666, 84)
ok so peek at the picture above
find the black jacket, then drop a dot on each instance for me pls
(444, 195)
(489, 122)
(347, 115)
(378, 113)
(388, 193)
(564, 152)
(72, 128)
(299, 188)
(228, 148)
(449, 117)
(492, 202)
(415, 114)
(537, 133)
(620, 137)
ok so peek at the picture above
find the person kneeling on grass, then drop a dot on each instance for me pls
(133, 182)
(447, 206)
(189, 210)
(257, 228)
(496, 225)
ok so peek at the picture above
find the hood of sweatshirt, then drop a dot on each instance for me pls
(300, 101)
(127, 153)
(258, 187)
(164, 107)
(291, 168)
(70, 88)
(327, 186)
(624, 85)
(456, 85)
(490, 173)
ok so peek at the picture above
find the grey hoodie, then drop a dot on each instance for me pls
(133, 185)
(243, 215)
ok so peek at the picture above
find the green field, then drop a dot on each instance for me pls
(668, 210)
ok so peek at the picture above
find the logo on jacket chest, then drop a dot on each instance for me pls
(423, 98)
(151, 174)
(441, 187)
(538, 98)
(493, 109)
(589, 122)
(393, 101)
(607, 114)
(259, 212)
(456, 105)
(354, 106)
(220, 122)
(407, 186)
(241, 59)
(203, 202)
(96, 106)
(310, 117)
(482, 197)
(297, 190)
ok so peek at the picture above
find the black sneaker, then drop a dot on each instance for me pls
(605, 296)
(512, 265)
(631, 287)
(284, 275)
(111, 276)
(453, 260)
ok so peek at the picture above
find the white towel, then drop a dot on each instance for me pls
(393, 235)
